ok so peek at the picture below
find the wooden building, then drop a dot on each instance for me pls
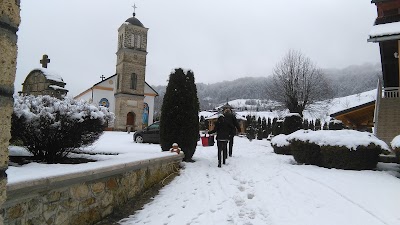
(360, 117)
(386, 32)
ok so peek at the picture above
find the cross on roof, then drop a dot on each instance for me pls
(134, 8)
(44, 61)
(102, 77)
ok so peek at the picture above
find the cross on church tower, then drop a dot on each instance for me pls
(102, 77)
(134, 9)
(44, 61)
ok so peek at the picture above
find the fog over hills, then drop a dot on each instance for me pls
(347, 81)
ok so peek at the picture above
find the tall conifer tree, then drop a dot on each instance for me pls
(179, 122)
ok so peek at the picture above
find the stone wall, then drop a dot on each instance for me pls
(86, 197)
(9, 22)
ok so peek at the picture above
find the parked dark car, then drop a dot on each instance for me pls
(150, 134)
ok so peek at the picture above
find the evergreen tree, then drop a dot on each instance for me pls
(264, 127)
(259, 129)
(179, 122)
(269, 126)
(317, 124)
(326, 126)
(292, 123)
(305, 124)
(311, 125)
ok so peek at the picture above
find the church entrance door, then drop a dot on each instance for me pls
(130, 121)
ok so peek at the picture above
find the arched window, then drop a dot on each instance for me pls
(120, 42)
(132, 40)
(117, 81)
(138, 41)
(133, 81)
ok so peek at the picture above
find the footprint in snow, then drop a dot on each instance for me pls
(170, 215)
(241, 188)
(239, 201)
(250, 195)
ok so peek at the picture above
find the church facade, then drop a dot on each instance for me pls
(126, 93)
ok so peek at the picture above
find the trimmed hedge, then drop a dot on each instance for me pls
(305, 152)
(284, 150)
(397, 152)
(339, 157)
(364, 158)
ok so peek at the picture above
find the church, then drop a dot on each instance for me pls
(126, 93)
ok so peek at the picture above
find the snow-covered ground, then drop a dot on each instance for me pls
(259, 187)
(256, 186)
(120, 143)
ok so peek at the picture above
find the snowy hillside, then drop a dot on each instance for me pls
(319, 110)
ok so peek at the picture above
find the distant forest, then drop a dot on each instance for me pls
(348, 81)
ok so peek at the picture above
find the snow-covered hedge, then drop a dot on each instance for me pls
(342, 149)
(395, 143)
(50, 128)
(281, 145)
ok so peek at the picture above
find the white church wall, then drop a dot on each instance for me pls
(106, 96)
(150, 101)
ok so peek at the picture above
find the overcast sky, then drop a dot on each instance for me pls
(218, 39)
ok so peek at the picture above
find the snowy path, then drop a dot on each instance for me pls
(260, 187)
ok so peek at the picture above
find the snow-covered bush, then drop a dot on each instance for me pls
(336, 125)
(395, 143)
(292, 122)
(281, 145)
(341, 149)
(50, 128)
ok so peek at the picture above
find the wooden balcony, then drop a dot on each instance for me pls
(391, 92)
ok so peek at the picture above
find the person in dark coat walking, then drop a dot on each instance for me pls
(231, 119)
(223, 129)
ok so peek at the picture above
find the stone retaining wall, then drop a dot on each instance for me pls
(9, 22)
(85, 197)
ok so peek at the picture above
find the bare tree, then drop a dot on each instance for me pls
(298, 82)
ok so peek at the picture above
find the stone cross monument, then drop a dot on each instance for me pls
(44, 61)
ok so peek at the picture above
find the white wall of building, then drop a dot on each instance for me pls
(105, 90)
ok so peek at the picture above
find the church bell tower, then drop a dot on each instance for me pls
(131, 73)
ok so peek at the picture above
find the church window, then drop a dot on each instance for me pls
(132, 41)
(117, 81)
(138, 41)
(133, 81)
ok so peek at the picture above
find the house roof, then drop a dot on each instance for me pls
(49, 75)
(385, 32)
(216, 115)
(106, 79)
(379, 1)
(361, 115)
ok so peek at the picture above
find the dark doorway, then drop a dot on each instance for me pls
(130, 121)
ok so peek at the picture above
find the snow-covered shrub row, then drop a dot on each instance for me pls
(336, 125)
(281, 145)
(395, 143)
(50, 128)
(342, 149)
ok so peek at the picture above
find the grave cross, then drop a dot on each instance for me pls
(44, 61)
(102, 77)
